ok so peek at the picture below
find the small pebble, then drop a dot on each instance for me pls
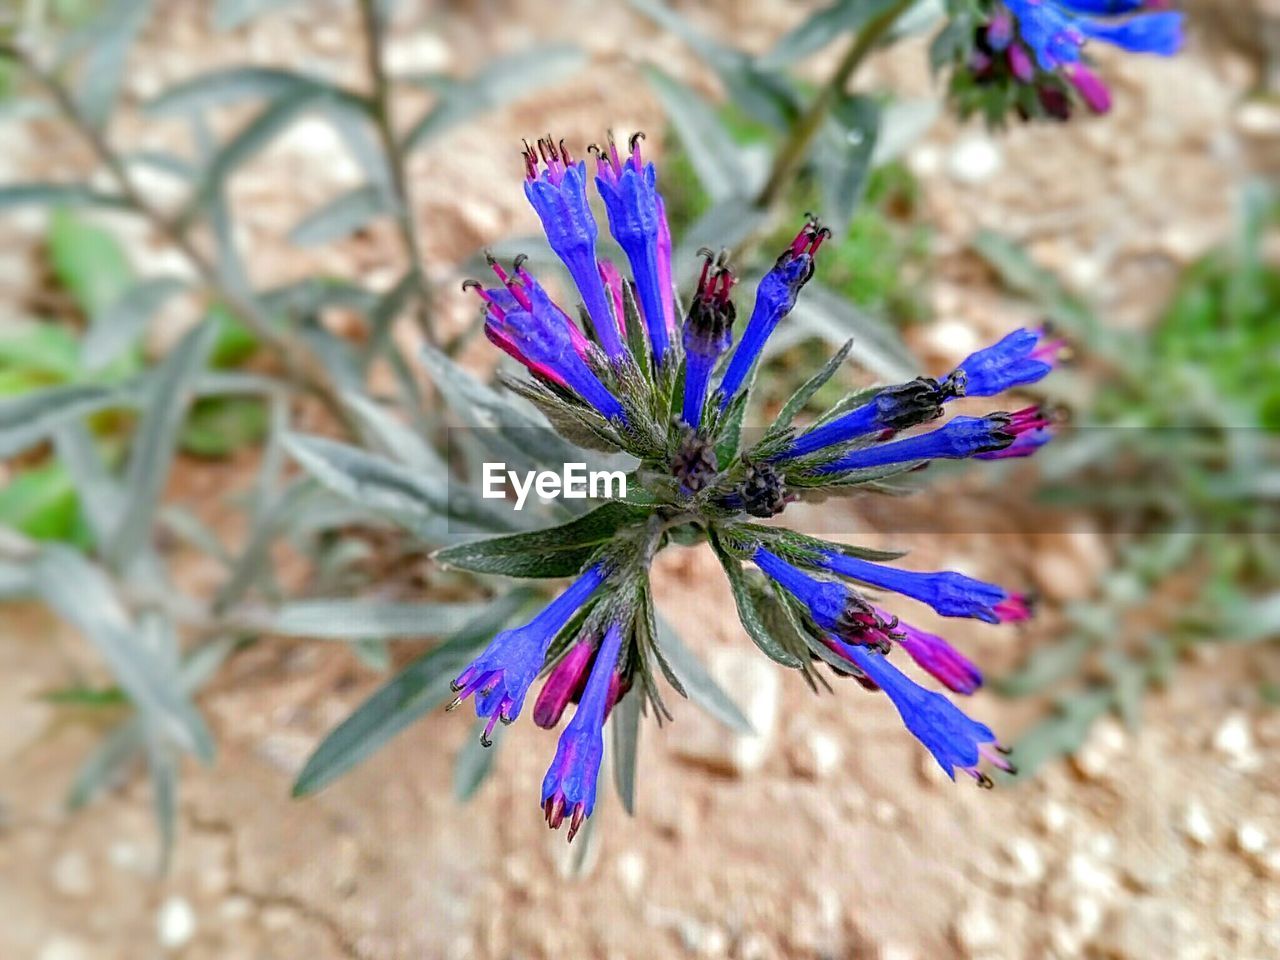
(175, 923)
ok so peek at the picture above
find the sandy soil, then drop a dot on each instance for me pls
(846, 842)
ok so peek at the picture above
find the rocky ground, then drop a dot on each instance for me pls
(833, 835)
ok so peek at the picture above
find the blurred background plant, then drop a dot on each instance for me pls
(1176, 449)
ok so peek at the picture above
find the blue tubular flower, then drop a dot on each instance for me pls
(1057, 30)
(831, 605)
(500, 677)
(893, 408)
(957, 439)
(950, 594)
(570, 784)
(955, 740)
(775, 297)
(1020, 358)
(708, 331)
(637, 220)
(524, 321)
(559, 196)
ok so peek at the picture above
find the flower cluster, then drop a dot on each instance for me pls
(674, 397)
(1028, 55)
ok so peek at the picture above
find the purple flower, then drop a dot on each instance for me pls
(637, 220)
(569, 787)
(775, 297)
(559, 196)
(522, 319)
(708, 331)
(949, 593)
(501, 676)
(937, 658)
(956, 439)
(1020, 358)
(833, 607)
(955, 740)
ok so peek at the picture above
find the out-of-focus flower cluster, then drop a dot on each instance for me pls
(1029, 57)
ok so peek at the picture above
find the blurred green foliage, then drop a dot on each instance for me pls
(1178, 455)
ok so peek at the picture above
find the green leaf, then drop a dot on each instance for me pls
(421, 686)
(30, 418)
(230, 14)
(1254, 621)
(1062, 734)
(112, 35)
(41, 503)
(700, 687)
(341, 217)
(715, 157)
(105, 766)
(797, 401)
(219, 426)
(474, 762)
(155, 443)
(162, 764)
(88, 261)
(81, 594)
(57, 194)
(625, 724)
(1046, 666)
(555, 552)
(122, 322)
(365, 619)
(843, 158)
(234, 85)
(824, 314)
(393, 437)
(749, 612)
(43, 349)
(426, 505)
(497, 419)
(251, 139)
(820, 28)
(506, 79)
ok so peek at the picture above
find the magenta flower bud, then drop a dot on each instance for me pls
(1020, 63)
(565, 683)
(1093, 91)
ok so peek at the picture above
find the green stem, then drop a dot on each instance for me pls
(788, 160)
(384, 120)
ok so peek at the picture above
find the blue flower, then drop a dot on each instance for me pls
(559, 196)
(893, 408)
(955, 740)
(501, 676)
(956, 439)
(1021, 358)
(638, 221)
(949, 593)
(833, 607)
(1057, 30)
(775, 298)
(569, 787)
(708, 331)
(523, 320)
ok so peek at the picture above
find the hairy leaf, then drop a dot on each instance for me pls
(712, 152)
(119, 325)
(555, 552)
(365, 619)
(700, 687)
(340, 217)
(421, 686)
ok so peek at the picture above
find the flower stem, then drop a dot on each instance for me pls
(384, 120)
(788, 160)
